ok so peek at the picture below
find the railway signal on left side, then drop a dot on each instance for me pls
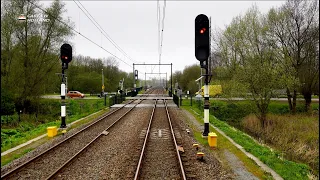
(66, 57)
(136, 74)
(66, 53)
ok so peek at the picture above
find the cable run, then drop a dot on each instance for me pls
(164, 15)
(78, 32)
(103, 32)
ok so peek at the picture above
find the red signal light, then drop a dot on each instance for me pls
(66, 57)
(202, 30)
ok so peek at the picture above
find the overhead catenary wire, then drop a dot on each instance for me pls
(78, 32)
(164, 15)
(103, 32)
(160, 30)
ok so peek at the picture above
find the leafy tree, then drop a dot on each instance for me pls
(7, 102)
(190, 74)
(29, 48)
(246, 52)
(85, 75)
(295, 32)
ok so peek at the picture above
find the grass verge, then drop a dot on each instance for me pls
(225, 144)
(286, 169)
(42, 130)
(297, 136)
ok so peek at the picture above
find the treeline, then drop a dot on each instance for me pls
(85, 75)
(185, 79)
(29, 51)
(257, 54)
(261, 53)
(30, 64)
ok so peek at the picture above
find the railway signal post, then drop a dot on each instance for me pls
(202, 53)
(66, 57)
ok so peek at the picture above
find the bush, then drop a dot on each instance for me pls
(231, 111)
(278, 108)
(7, 102)
(235, 111)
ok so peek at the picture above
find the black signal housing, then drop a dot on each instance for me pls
(202, 37)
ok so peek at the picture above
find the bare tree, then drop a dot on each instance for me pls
(295, 27)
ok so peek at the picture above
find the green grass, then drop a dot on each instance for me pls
(286, 169)
(29, 127)
(296, 135)
(37, 132)
(224, 144)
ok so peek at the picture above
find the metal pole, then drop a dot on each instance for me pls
(134, 79)
(166, 81)
(201, 80)
(206, 92)
(206, 103)
(171, 79)
(102, 83)
(145, 80)
(66, 84)
(63, 97)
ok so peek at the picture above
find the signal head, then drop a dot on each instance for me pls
(66, 53)
(202, 37)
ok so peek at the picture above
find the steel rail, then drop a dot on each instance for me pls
(175, 143)
(146, 139)
(55, 146)
(90, 143)
(145, 143)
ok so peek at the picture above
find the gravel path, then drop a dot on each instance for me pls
(208, 169)
(239, 170)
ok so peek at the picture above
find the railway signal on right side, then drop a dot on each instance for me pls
(202, 52)
(202, 37)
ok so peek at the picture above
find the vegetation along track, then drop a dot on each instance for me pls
(160, 156)
(89, 145)
(44, 164)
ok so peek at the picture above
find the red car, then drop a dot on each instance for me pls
(72, 94)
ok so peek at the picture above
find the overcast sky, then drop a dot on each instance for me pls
(133, 25)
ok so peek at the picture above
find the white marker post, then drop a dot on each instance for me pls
(63, 104)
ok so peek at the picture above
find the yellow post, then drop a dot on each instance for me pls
(212, 139)
(52, 131)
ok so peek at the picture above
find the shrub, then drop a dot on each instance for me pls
(7, 102)
(231, 111)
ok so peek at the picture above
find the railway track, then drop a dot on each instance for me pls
(87, 146)
(124, 148)
(45, 164)
(159, 157)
